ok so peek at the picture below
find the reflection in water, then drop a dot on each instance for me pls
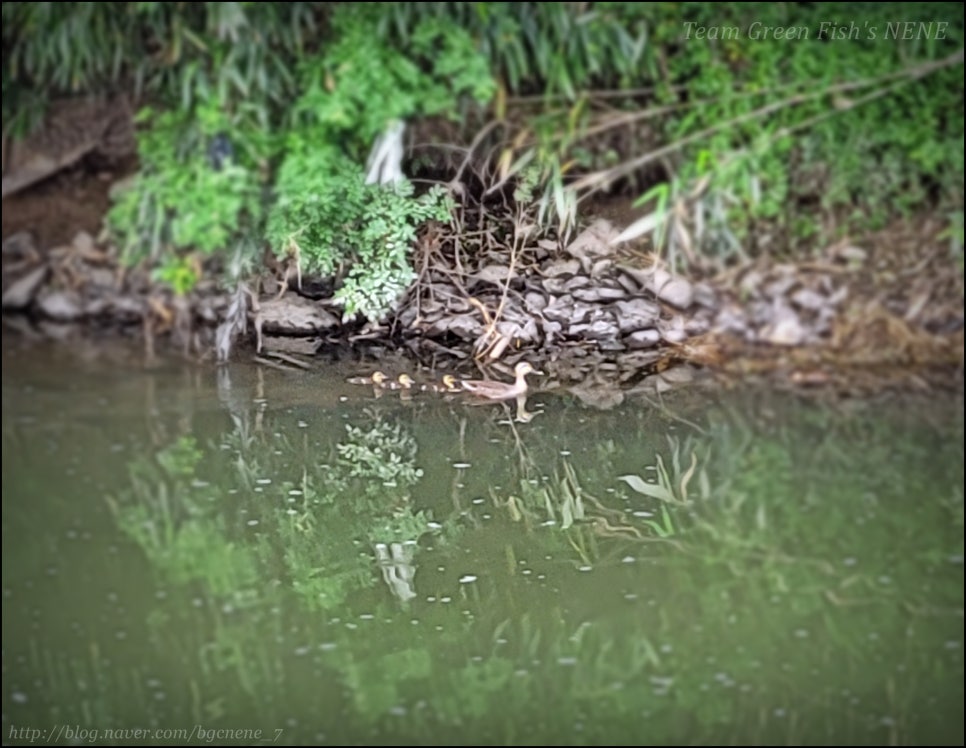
(398, 570)
(234, 553)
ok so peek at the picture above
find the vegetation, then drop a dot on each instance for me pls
(261, 116)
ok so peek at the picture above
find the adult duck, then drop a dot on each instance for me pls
(492, 390)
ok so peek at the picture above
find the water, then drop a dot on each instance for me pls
(245, 556)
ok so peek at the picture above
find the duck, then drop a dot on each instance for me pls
(449, 383)
(403, 382)
(493, 390)
(376, 379)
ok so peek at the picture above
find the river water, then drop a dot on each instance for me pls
(249, 556)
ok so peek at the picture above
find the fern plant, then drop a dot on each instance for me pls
(334, 224)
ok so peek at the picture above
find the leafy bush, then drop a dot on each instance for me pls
(187, 197)
(752, 137)
(324, 214)
(816, 133)
(334, 223)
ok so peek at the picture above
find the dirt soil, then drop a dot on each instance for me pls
(56, 209)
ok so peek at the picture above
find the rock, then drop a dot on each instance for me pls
(600, 329)
(593, 243)
(72, 128)
(126, 307)
(20, 245)
(464, 326)
(854, 256)
(611, 345)
(293, 315)
(678, 374)
(551, 330)
(785, 328)
(83, 243)
(102, 278)
(780, 286)
(601, 268)
(560, 309)
(495, 274)
(805, 298)
(64, 306)
(671, 289)
(599, 294)
(639, 276)
(672, 330)
(704, 295)
(408, 316)
(636, 314)
(578, 281)
(554, 286)
(22, 291)
(526, 333)
(642, 339)
(637, 360)
(561, 267)
(284, 344)
(639, 307)
(627, 283)
(535, 302)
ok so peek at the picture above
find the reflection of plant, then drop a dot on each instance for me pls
(383, 452)
(177, 524)
(670, 486)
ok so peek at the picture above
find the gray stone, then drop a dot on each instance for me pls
(642, 339)
(64, 306)
(554, 286)
(599, 294)
(463, 326)
(22, 291)
(578, 281)
(593, 242)
(83, 242)
(293, 315)
(673, 290)
(560, 309)
(561, 267)
(600, 329)
(495, 274)
(806, 298)
(535, 302)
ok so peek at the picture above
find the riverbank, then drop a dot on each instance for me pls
(598, 315)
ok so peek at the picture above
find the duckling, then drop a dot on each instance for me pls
(492, 390)
(448, 384)
(376, 379)
(403, 382)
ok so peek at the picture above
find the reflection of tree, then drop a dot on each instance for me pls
(705, 600)
(313, 530)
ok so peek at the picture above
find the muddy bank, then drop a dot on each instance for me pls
(601, 317)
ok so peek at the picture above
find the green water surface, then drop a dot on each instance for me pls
(247, 556)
